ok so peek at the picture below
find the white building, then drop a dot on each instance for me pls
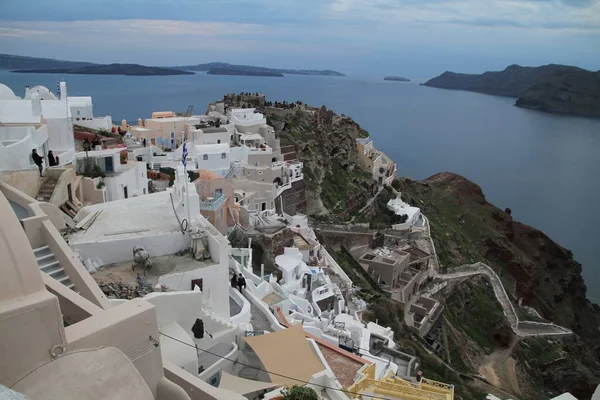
(82, 113)
(81, 107)
(48, 127)
(246, 120)
(413, 214)
(213, 157)
(212, 135)
(156, 223)
(120, 180)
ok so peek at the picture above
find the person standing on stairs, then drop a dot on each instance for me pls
(52, 161)
(241, 282)
(37, 160)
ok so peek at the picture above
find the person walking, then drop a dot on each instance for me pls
(234, 281)
(52, 161)
(38, 160)
(241, 282)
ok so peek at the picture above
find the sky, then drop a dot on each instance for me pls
(413, 38)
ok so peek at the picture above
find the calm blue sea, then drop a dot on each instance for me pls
(544, 167)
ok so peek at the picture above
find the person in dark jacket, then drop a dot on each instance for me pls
(37, 160)
(96, 142)
(241, 282)
(234, 281)
(52, 161)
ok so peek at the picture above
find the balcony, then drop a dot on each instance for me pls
(214, 204)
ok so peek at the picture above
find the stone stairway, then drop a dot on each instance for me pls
(46, 190)
(51, 266)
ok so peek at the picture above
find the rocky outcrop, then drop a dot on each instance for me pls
(550, 88)
(245, 100)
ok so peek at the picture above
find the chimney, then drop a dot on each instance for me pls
(26, 92)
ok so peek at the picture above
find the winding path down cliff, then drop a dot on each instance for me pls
(521, 328)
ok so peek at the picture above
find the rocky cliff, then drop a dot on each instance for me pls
(535, 270)
(575, 92)
(326, 143)
(336, 185)
(550, 88)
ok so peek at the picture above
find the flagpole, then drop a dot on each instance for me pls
(187, 186)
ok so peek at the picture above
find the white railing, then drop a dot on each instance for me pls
(214, 204)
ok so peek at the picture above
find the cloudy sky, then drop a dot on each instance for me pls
(416, 38)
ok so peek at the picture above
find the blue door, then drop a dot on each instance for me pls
(108, 164)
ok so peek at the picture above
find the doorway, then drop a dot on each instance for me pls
(125, 191)
(108, 164)
(197, 282)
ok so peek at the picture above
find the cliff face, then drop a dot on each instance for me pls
(326, 144)
(535, 270)
(551, 88)
(574, 92)
(335, 183)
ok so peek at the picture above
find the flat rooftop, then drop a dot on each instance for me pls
(383, 256)
(343, 367)
(415, 253)
(301, 244)
(137, 216)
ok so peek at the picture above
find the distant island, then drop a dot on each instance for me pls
(29, 64)
(232, 71)
(396, 79)
(550, 88)
(248, 69)
(110, 69)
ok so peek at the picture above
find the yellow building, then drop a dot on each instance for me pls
(392, 387)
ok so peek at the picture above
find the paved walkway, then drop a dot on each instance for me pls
(521, 328)
(234, 308)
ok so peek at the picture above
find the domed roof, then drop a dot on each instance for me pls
(43, 91)
(6, 93)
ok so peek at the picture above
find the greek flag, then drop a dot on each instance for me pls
(184, 155)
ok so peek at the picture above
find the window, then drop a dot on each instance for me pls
(218, 193)
(223, 155)
(218, 141)
(78, 112)
(205, 157)
(214, 380)
(260, 172)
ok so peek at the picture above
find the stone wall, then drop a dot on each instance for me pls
(294, 199)
(268, 247)
(27, 182)
(336, 238)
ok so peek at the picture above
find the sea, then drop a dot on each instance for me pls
(544, 167)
